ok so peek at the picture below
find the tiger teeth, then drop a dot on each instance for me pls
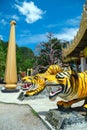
(54, 91)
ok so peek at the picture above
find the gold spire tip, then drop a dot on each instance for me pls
(13, 22)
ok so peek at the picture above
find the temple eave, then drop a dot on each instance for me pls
(79, 44)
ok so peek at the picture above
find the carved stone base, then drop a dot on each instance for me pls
(65, 120)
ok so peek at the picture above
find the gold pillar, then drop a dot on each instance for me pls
(11, 69)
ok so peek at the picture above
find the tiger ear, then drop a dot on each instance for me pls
(74, 73)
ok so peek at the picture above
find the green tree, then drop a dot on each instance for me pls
(25, 58)
(2, 58)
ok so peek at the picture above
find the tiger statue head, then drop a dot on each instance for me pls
(39, 82)
(71, 86)
(65, 86)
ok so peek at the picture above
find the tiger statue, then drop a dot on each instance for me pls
(68, 85)
(52, 70)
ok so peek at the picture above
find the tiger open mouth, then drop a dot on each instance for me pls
(27, 86)
(56, 90)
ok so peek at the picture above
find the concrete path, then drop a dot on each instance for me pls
(41, 106)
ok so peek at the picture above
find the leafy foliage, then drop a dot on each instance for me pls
(25, 58)
(3, 51)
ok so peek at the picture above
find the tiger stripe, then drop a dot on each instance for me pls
(54, 69)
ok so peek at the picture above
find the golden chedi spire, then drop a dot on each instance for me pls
(11, 69)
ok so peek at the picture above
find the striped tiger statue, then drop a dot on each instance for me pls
(52, 70)
(68, 85)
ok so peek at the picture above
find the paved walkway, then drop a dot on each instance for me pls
(41, 106)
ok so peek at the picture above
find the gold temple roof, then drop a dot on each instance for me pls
(80, 40)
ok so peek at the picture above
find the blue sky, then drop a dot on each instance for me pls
(35, 18)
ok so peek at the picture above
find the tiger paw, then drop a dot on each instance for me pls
(84, 107)
(63, 104)
(30, 93)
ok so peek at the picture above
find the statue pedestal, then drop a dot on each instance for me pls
(10, 88)
(60, 120)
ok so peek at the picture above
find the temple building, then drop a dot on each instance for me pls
(77, 50)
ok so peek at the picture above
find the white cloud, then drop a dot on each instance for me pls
(3, 21)
(52, 25)
(67, 34)
(15, 17)
(38, 38)
(70, 23)
(74, 22)
(32, 39)
(31, 11)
